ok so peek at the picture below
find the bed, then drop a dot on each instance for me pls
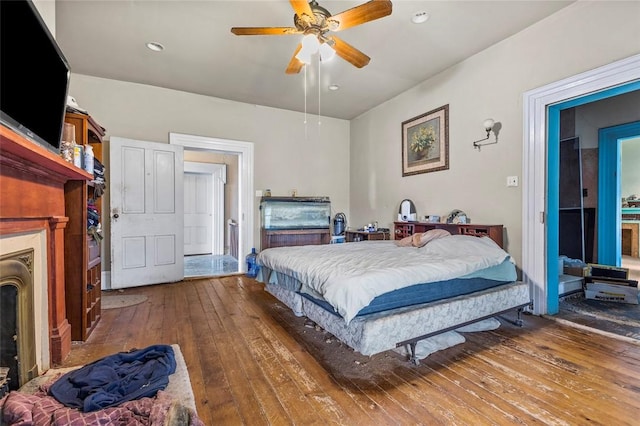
(380, 295)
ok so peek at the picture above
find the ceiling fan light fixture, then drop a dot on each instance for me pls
(304, 56)
(310, 43)
(327, 52)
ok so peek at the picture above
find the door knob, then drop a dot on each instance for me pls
(115, 216)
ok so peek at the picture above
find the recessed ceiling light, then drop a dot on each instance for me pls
(334, 87)
(420, 17)
(156, 47)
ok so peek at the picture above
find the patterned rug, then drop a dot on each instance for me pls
(614, 317)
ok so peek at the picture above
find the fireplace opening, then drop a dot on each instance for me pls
(17, 318)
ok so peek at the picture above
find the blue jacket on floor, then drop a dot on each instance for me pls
(117, 378)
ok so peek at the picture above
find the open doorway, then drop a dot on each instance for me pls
(594, 182)
(237, 156)
(210, 202)
(540, 189)
(630, 189)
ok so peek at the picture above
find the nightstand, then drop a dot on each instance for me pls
(351, 236)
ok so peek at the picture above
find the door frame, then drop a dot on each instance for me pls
(218, 174)
(609, 195)
(539, 219)
(245, 152)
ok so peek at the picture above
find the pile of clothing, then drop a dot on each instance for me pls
(98, 178)
(122, 389)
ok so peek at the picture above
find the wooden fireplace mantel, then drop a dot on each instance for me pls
(32, 198)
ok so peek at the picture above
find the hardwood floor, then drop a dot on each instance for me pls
(252, 362)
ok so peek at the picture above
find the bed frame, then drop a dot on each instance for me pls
(369, 334)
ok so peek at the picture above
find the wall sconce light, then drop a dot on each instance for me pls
(489, 125)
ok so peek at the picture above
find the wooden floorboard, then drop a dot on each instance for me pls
(252, 362)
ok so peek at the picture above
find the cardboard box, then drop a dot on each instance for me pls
(576, 271)
(597, 270)
(611, 281)
(611, 293)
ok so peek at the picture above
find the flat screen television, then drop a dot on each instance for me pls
(34, 74)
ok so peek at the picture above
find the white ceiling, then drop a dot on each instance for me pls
(107, 39)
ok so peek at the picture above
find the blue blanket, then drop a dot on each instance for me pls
(117, 378)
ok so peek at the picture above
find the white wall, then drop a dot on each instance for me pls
(284, 159)
(592, 117)
(630, 175)
(47, 11)
(580, 37)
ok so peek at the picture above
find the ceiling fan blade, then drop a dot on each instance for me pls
(302, 7)
(295, 65)
(374, 9)
(349, 53)
(265, 30)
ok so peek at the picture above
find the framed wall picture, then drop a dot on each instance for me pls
(425, 142)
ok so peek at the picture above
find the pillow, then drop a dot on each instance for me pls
(421, 240)
(405, 242)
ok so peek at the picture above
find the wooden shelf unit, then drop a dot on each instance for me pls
(81, 251)
(351, 236)
(404, 229)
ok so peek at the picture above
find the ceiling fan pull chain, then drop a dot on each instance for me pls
(305, 95)
(306, 136)
(319, 68)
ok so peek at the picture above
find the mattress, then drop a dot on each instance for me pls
(407, 296)
(373, 276)
(417, 294)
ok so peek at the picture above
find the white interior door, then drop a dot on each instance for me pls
(198, 226)
(204, 201)
(147, 212)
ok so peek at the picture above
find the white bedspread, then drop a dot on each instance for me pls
(350, 275)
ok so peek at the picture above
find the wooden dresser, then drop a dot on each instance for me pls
(495, 232)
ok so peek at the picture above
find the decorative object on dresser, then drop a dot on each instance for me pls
(407, 211)
(295, 221)
(425, 142)
(495, 232)
(83, 206)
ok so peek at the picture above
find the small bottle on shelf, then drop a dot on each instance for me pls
(88, 158)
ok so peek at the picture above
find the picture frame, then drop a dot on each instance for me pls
(425, 142)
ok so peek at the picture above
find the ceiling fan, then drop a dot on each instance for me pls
(314, 22)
